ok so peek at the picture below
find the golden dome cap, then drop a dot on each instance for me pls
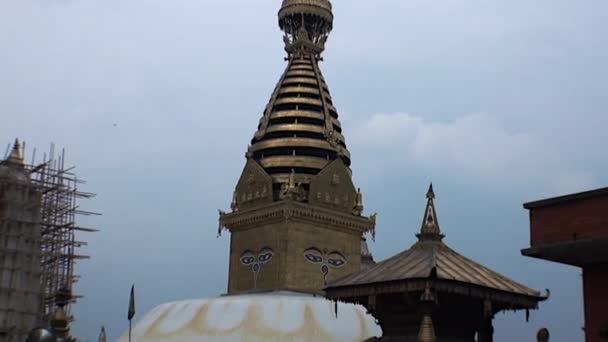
(320, 8)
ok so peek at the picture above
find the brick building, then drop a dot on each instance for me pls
(573, 230)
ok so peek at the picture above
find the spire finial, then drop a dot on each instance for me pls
(430, 226)
(15, 157)
(102, 334)
(306, 24)
(430, 194)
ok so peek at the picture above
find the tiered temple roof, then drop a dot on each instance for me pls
(431, 259)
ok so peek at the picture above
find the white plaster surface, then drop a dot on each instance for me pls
(253, 318)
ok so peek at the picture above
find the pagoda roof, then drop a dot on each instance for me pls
(430, 259)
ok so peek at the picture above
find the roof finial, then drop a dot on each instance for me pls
(102, 334)
(430, 194)
(306, 24)
(15, 157)
(430, 226)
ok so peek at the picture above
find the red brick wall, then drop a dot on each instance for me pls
(583, 218)
(595, 289)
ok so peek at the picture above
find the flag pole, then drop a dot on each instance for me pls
(131, 311)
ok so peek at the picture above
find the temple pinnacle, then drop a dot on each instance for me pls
(430, 226)
(300, 128)
(15, 157)
(430, 194)
(306, 24)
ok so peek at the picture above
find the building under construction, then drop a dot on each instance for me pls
(38, 244)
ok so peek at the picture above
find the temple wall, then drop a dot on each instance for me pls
(305, 255)
(268, 274)
(340, 254)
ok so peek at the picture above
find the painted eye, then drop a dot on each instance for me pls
(313, 255)
(313, 258)
(336, 259)
(336, 262)
(265, 257)
(247, 260)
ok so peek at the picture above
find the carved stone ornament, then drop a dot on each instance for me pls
(333, 188)
(289, 189)
(254, 187)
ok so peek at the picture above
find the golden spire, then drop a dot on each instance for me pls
(299, 129)
(430, 230)
(15, 157)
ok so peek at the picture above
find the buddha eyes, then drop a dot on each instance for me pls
(335, 262)
(313, 258)
(334, 259)
(247, 259)
(265, 256)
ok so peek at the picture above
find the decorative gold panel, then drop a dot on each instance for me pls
(254, 187)
(294, 161)
(333, 188)
(300, 100)
(295, 127)
(298, 113)
(291, 142)
(296, 73)
(293, 89)
(300, 80)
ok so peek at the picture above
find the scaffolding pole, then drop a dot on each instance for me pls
(60, 198)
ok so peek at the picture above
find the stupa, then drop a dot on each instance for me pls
(296, 218)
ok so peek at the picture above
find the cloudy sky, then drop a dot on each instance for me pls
(497, 103)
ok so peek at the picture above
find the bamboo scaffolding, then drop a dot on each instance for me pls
(59, 209)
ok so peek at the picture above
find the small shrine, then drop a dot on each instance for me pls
(430, 292)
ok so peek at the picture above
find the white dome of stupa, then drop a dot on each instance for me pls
(256, 317)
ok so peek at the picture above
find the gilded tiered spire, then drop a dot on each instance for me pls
(297, 183)
(430, 230)
(299, 129)
(15, 157)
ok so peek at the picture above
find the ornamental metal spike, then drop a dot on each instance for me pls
(430, 231)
